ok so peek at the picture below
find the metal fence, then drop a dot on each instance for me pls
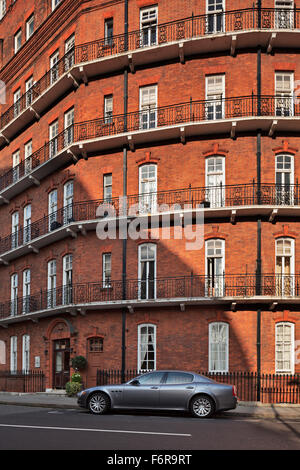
(29, 381)
(267, 388)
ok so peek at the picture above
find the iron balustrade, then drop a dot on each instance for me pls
(215, 197)
(151, 119)
(187, 28)
(240, 286)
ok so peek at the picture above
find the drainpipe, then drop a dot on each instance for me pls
(124, 240)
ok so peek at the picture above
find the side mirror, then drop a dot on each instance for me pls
(135, 382)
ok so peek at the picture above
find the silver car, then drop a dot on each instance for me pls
(162, 390)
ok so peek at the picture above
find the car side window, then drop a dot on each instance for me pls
(153, 378)
(179, 378)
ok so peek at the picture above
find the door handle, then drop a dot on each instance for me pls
(190, 388)
(154, 388)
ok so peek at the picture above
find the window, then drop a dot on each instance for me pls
(215, 95)
(55, 3)
(67, 278)
(215, 16)
(106, 269)
(218, 347)
(147, 188)
(2, 8)
(69, 52)
(285, 266)
(13, 354)
(107, 187)
(148, 105)
(214, 253)
(215, 181)
(148, 26)
(109, 31)
(95, 345)
(14, 294)
(25, 353)
(68, 202)
(54, 67)
(16, 168)
(155, 378)
(179, 378)
(52, 210)
(284, 348)
(53, 144)
(15, 230)
(147, 349)
(27, 224)
(69, 127)
(284, 177)
(26, 291)
(28, 159)
(17, 102)
(29, 91)
(284, 86)
(147, 271)
(108, 109)
(29, 27)
(18, 40)
(51, 284)
(284, 14)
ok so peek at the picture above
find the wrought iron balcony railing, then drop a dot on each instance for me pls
(214, 197)
(187, 28)
(243, 286)
(192, 112)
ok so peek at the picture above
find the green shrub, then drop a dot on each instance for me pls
(72, 388)
(79, 363)
(76, 377)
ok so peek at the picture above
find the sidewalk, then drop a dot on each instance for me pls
(61, 400)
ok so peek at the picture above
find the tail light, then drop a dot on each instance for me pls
(234, 391)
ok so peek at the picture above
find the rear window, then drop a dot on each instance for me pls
(179, 378)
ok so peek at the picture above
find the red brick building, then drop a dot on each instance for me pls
(185, 108)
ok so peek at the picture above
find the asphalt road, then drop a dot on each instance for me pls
(32, 428)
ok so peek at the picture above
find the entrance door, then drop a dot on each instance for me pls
(61, 363)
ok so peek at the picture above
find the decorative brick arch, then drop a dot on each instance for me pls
(147, 158)
(215, 150)
(285, 148)
(215, 234)
(285, 232)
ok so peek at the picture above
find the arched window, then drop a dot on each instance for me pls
(147, 271)
(147, 188)
(285, 266)
(284, 178)
(215, 180)
(215, 266)
(218, 347)
(146, 347)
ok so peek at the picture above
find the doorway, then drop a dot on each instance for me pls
(61, 363)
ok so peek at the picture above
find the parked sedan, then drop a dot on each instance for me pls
(162, 390)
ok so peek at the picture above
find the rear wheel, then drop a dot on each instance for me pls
(202, 406)
(98, 403)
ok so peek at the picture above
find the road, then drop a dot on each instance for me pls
(28, 428)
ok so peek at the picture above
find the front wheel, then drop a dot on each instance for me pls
(202, 406)
(98, 403)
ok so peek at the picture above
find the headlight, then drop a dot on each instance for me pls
(80, 394)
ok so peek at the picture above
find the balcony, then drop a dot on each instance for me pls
(228, 201)
(228, 290)
(203, 34)
(175, 122)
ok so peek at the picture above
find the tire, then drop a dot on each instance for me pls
(99, 403)
(202, 406)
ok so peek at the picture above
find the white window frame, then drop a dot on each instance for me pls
(148, 107)
(13, 354)
(284, 192)
(214, 98)
(27, 157)
(284, 14)
(108, 108)
(26, 290)
(284, 101)
(215, 13)
(2, 8)
(69, 52)
(14, 281)
(139, 358)
(215, 290)
(18, 40)
(67, 278)
(215, 194)
(15, 165)
(148, 199)
(106, 276)
(51, 284)
(285, 285)
(54, 71)
(25, 353)
(292, 349)
(52, 208)
(29, 84)
(15, 230)
(226, 352)
(27, 224)
(108, 37)
(55, 4)
(148, 21)
(107, 187)
(53, 140)
(17, 102)
(68, 201)
(68, 127)
(147, 260)
(29, 22)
